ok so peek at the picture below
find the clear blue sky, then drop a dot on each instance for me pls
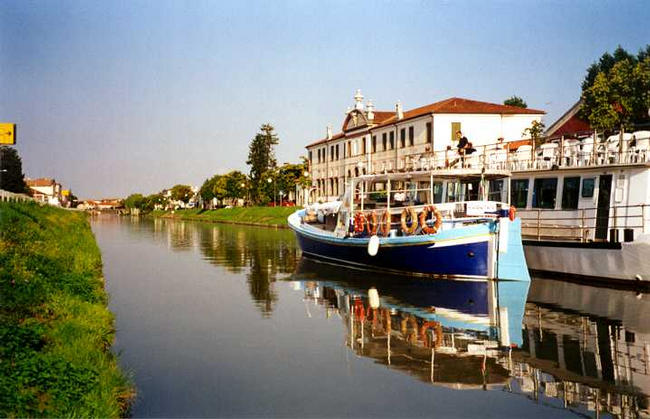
(126, 96)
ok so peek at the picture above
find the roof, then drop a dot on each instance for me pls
(569, 123)
(44, 181)
(455, 105)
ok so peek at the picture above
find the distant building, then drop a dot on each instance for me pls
(45, 190)
(569, 124)
(376, 141)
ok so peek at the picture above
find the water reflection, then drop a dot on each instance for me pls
(570, 354)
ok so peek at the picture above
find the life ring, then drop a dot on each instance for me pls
(512, 213)
(384, 223)
(414, 220)
(437, 331)
(371, 223)
(359, 222)
(423, 220)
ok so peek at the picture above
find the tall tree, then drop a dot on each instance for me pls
(12, 178)
(181, 193)
(515, 101)
(261, 156)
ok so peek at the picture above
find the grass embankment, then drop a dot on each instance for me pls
(55, 328)
(267, 216)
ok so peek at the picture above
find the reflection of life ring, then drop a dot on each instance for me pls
(437, 329)
(359, 222)
(423, 220)
(512, 212)
(359, 310)
(384, 223)
(406, 212)
(372, 223)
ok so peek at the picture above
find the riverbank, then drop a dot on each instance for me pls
(55, 328)
(259, 216)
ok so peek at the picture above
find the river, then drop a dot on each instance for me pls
(217, 320)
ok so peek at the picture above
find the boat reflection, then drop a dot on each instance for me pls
(574, 354)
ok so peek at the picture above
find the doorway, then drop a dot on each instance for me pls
(602, 213)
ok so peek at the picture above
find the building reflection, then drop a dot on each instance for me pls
(574, 354)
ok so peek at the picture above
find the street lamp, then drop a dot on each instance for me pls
(281, 193)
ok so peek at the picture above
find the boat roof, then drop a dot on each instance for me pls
(440, 174)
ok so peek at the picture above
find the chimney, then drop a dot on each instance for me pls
(329, 132)
(398, 110)
(358, 100)
(369, 110)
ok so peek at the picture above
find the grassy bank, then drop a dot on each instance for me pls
(55, 328)
(268, 216)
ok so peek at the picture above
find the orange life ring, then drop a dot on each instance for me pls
(423, 220)
(512, 212)
(371, 223)
(414, 220)
(384, 223)
(437, 330)
(359, 222)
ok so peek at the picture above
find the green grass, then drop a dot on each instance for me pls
(271, 216)
(55, 329)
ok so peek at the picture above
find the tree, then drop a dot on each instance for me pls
(182, 193)
(135, 200)
(515, 101)
(261, 157)
(235, 184)
(535, 131)
(12, 178)
(207, 189)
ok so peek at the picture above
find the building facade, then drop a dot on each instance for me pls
(373, 141)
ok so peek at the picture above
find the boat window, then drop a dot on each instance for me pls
(588, 187)
(519, 194)
(544, 193)
(570, 189)
(471, 190)
(437, 192)
(453, 191)
(497, 191)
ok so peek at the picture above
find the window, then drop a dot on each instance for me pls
(363, 145)
(411, 136)
(374, 143)
(544, 193)
(588, 187)
(429, 133)
(383, 141)
(337, 151)
(331, 153)
(319, 155)
(570, 189)
(392, 140)
(310, 156)
(519, 194)
(437, 192)
(496, 190)
(402, 138)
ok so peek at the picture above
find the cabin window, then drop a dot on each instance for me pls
(570, 190)
(402, 138)
(588, 187)
(437, 192)
(496, 191)
(383, 141)
(519, 194)
(411, 136)
(392, 140)
(544, 193)
(374, 143)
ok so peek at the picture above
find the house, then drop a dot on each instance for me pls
(45, 190)
(373, 141)
(569, 124)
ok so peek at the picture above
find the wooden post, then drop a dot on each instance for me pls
(431, 200)
(562, 151)
(594, 152)
(582, 225)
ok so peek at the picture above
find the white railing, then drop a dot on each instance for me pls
(6, 196)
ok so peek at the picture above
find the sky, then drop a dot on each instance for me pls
(118, 97)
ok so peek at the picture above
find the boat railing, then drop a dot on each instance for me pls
(523, 155)
(620, 223)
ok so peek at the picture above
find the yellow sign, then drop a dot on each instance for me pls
(65, 192)
(7, 133)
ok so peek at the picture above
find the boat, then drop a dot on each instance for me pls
(449, 223)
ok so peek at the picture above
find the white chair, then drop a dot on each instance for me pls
(641, 150)
(523, 158)
(570, 152)
(549, 154)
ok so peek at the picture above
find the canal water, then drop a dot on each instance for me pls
(216, 320)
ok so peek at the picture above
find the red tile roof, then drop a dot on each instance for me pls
(451, 105)
(44, 181)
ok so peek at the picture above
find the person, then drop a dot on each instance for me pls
(500, 143)
(463, 143)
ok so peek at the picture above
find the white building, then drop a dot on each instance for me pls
(375, 141)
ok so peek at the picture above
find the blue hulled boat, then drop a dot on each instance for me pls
(453, 223)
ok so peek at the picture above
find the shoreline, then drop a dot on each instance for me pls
(272, 217)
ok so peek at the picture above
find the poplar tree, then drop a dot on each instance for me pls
(261, 157)
(12, 178)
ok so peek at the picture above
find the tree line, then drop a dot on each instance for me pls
(266, 182)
